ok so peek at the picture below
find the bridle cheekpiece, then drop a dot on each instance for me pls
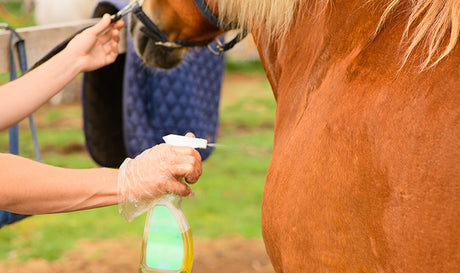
(153, 31)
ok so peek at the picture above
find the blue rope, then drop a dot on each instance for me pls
(13, 132)
(21, 48)
(17, 41)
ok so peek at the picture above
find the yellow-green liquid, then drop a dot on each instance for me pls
(186, 263)
(187, 260)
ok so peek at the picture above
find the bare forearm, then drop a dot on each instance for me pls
(25, 95)
(30, 187)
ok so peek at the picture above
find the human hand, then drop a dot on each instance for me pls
(155, 172)
(97, 46)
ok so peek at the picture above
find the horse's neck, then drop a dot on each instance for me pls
(324, 57)
(320, 52)
(317, 41)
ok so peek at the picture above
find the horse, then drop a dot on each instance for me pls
(365, 170)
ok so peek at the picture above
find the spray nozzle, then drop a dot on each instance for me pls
(177, 140)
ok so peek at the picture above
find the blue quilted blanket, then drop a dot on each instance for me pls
(158, 102)
(128, 106)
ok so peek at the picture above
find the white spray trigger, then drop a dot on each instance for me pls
(177, 140)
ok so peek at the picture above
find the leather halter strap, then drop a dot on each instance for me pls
(211, 17)
(153, 31)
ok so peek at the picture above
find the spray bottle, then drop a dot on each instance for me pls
(167, 245)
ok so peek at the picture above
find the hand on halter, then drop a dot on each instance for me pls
(155, 172)
(97, 46)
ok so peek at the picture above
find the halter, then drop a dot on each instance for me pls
(153, 31)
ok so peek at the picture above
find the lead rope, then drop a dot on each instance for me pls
(16, 41)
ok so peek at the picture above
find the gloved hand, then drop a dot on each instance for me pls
(155, 172)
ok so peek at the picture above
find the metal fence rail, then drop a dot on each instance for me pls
(40, 40)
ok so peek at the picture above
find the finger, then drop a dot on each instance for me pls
(102, 25)
(110, 47)
(182, 150)
(105, 38)
(111, 36)
(119, 24)
(114, 48)
(179, 188)
(193, 177)
(116, 35)
(182, 155)
(112, 52)
(190, 134)
(171, 150)
(191, 172)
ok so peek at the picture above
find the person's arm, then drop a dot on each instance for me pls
(92, 49)
(29, 187)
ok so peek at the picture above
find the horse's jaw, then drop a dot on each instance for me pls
(152, 54)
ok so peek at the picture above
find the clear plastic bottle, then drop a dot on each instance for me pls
(167, 244)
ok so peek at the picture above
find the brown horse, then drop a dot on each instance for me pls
(365, 174)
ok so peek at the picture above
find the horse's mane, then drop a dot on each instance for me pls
(274, 16)
(432, 24)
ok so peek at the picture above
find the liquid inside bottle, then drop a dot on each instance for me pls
(167, 244)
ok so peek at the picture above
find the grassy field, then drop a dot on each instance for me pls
(227, 197)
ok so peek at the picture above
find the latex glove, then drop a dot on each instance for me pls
(155, 172)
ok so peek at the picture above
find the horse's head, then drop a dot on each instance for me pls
(163, 30)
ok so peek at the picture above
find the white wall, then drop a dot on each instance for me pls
(56, 11)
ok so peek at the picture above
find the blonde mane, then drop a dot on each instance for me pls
(432, 24)
(275, 16)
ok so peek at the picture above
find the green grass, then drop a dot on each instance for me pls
(227, 197)
(4, 78)
(254, 66)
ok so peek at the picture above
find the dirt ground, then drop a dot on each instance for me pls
(223, 255)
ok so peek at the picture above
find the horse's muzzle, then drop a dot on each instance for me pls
(145, 44)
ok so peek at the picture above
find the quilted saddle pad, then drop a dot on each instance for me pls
(129, 106)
